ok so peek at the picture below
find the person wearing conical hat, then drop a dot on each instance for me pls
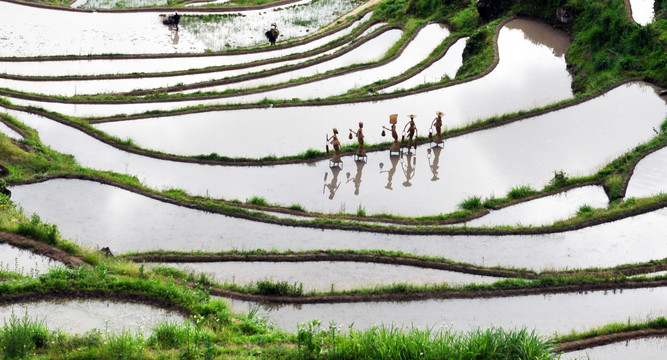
(437, 124)
(360, 139)
(411, 132)
(333, 140)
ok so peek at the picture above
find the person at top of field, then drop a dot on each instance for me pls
(176, 18)
(272, 34)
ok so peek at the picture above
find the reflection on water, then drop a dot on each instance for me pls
(390, 172)
(408, 167)
(544, 313)
(653, 348)
(433, 156)
(334, 184)
(541, 34)
(356, 180)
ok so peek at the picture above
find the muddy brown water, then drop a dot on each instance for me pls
(546, 210)
(547, 314)
(650, 176)
(100, 215)
(24, 262)
(79, 316)
(484, 163)
(327, 275)
(653, 348)
(168, 64)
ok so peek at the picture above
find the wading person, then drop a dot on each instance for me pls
(395, 146)
(437, 124)
(411, 132)
(333, 140)
(272, 34)
(361, 152)
(175, 20)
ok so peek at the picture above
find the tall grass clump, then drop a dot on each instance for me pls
(257, 200)
(472, 203)
(123, 346)
(38, 230)
(520, 192)
(392, 343)
(21, 337)
(281, 288)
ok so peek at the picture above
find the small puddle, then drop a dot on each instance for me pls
(118, 222)
(653, 348)
(24, 262)
(650, 176)
(448, 65)
(328, 275)
(546, 210)
(546, 314)
(642, 11)
(79, 316)
(129, 66)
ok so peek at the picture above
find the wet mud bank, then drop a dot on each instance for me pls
(452, 294)
(41, 248)
(609, 339)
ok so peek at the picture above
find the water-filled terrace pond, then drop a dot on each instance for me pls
(101, 215)
(79, 316)
(653, 348)
(23, 261)
(547, 314)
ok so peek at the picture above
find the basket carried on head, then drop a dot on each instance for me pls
(393, 119)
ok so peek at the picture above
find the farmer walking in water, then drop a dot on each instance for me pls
(272, 34)
(176, 18)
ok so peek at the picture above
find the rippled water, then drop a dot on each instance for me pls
(653, 348)
(24, 262)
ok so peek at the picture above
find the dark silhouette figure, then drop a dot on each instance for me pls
(411, 130)
(176, 19)
(272, 34)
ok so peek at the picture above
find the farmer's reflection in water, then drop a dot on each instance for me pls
(357, 178)
(434, 160)
(175, 38)
(390, 172)
(408, 170)
(334, 184)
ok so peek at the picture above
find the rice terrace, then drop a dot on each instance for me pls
(333, 179)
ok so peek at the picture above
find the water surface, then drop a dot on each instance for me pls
(547, 314)
(653, 348)
(650, 176)
(100, 215)
(24, 262)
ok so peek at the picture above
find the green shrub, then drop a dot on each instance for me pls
(585, 210)
(520, 192)
(281, 288)
(37, 230)
(559, 180)
(21, 337)
(256, 200)
(472, 203)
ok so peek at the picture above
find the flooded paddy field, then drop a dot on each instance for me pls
(144, 33)
(546, 314)
(79, 316)
(404, 185)
(546, 210)
(575, 136)
(328, 275)
(9, 132)
(24, 262)
(118, 224)
(653, 348)
(650, 176)
(642, 11)
(112, 65)
(528, 64)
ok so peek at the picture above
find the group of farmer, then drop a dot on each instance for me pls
(409, 132)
